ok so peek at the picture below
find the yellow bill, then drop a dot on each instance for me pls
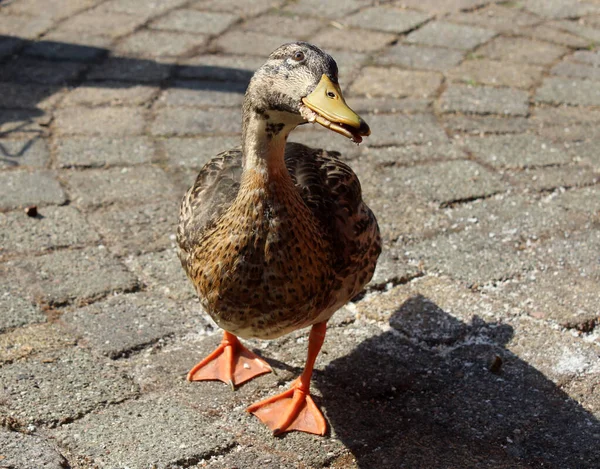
(332, 112)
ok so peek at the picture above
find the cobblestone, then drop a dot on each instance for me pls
(484, 100)
(482, 169)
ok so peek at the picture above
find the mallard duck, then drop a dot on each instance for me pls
(275, 236)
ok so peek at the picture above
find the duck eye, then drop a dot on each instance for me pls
(299, 56)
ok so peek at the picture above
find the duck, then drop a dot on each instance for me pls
(274, 235)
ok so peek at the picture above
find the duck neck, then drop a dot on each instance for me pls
(264, 136)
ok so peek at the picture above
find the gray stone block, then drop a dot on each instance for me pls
(554, 177)
(328, 10)
(133, 70)
(109, 94)
(27, 27)
(204, 94)
(195, 152)
(402, 130)
(498, 17)
(379, 81)
(156, 430)
(235, 68)
(454, 36)
(32, 152)
(53, 228)
(23, 70)
(85, 152)
(251, 43)
(16, 307)
(577, 70)
(194, 22)
(60, 387)
(587, 57)
(556, 35)
(28, 96)
(298, 26)
(139, 228)
(478, 125)
(420, 57)
(517, 151)
(569, 91)
(484, 100)
(114, 121)
(63, 46)
(99, 22)
(136, 185)
(181, 121)
(34, 339)
(355, 40)
(162, 274)
(75, 276)
(522, 50)
(244, 9)
(22, 188)
(123, 324)
(491, 72)
(147, 43)
(383, 18)
(29, 451)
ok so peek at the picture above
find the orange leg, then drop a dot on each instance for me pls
(231, 363)
(294, 409)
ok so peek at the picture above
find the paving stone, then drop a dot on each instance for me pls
(63, 46)
(26, 27)
(387, 105)
(244, 9)
(130, 69)
(587, 32)
(103, 151)
(22, 188)
(420, 57)
(564, 116)
(503, 18)
(576, 252)
(105, 186)
(114, 121)
(328, 10)
(250, 43)
(195, 152)
(522, 50)
(450, 35)
(53, 228)
(181, 121)
(587, 152)
(29, 451)
(560, 8)
(587, 57)
(204, 94)
(491, 72)
(516, 151)
(484, 100)
(59, 387)
(102, 22)
(554, 177)
(141, 7)
(53, 9)
(412, 154)
(315, 136)
(298, 26)
(547, 33)
(24, 69)
(434, 6)
(9, 45)
(570, 69)
(235, 68)
(349, 63)
(28, 96)
(569, 91)
(146, 43)
(126, 323)
(448, 181)
(16, 307)
(192, 21)
(24, 123)
(31, 153)
(162, 273)
(392, 20)
(376, 81)
(177, 435)
(109, 94)
(140, 228)
(355, 40)
(487, 124)
(64, 276)
(402, 130)
(32, 340)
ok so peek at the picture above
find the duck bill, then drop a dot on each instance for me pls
(332, 112)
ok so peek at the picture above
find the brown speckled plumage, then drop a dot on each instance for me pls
(275, 236)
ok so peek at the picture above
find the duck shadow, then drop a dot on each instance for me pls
(45, 67)
(435, 392)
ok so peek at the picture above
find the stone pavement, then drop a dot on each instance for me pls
(475, 346)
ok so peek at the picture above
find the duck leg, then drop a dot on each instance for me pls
(294, 409)
(230, 362)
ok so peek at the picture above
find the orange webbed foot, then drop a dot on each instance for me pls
(231, 363)
(291, 410)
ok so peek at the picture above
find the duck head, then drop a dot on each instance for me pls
(299, 84)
